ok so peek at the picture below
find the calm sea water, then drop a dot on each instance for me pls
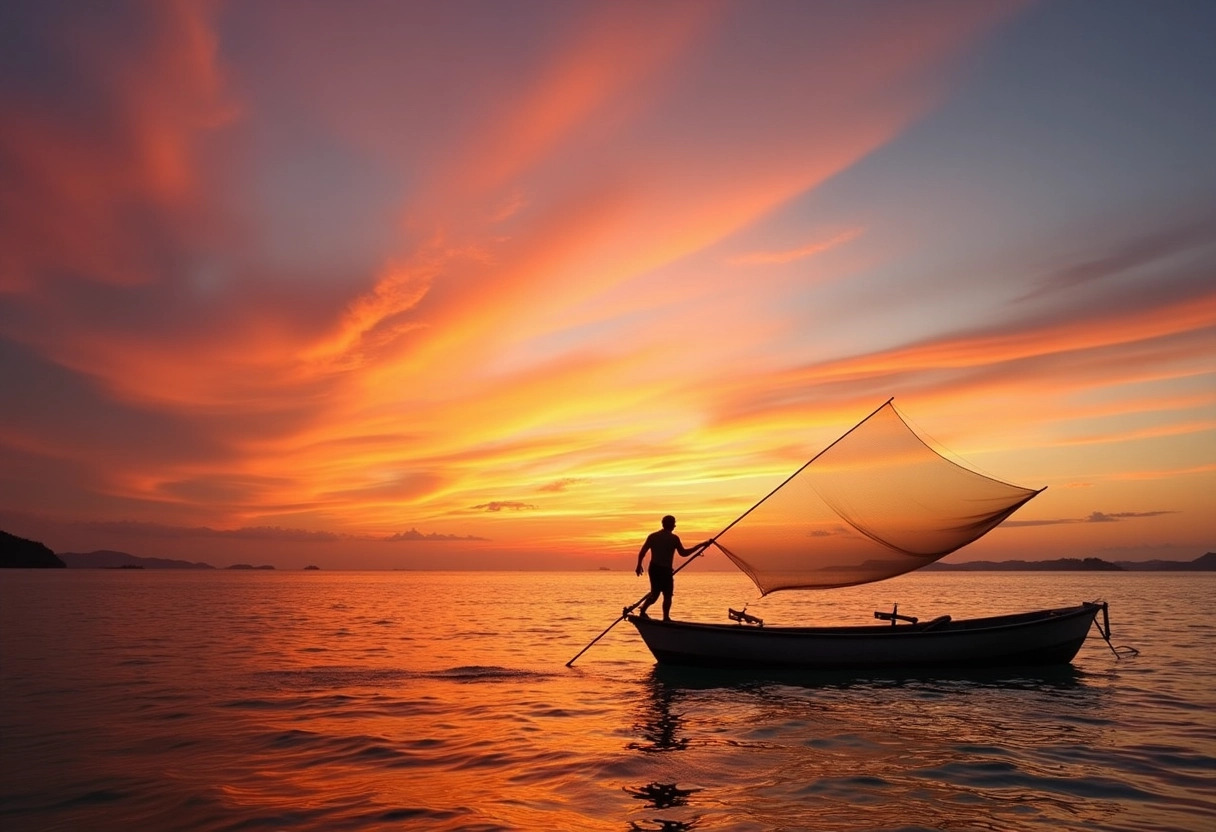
(154, 700)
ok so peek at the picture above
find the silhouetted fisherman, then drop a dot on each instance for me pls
(663, 546)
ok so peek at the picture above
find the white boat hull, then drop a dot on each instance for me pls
(1043, 637)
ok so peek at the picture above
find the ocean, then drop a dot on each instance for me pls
(258, 700)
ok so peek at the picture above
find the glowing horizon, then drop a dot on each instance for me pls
(502, 284)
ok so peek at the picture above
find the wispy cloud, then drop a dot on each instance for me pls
(267, 534)
(100, 176)
(1154, 248)
(504, 505)
(1095, 517)
(558, 486)
(161, 530)
(414, 535)
(763, 258)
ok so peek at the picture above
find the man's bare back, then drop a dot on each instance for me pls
(663, 545)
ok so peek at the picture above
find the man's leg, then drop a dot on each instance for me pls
(667, 605)
(650, 599)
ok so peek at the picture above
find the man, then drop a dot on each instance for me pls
(663, 546)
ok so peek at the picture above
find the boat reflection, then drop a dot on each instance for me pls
(662, 796)
(661, 727)
(674, 678)
(930, 751)
(663, 825)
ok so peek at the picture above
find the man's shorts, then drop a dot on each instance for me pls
(662, 580)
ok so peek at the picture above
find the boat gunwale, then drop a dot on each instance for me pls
(953, 627)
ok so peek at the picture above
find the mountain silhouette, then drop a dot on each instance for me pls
(19, 553)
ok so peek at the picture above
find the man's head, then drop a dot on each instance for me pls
(669, 522)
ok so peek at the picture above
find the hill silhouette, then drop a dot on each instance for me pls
(1058, 565)
(108, 559)
(1203, 563)
(19, 553)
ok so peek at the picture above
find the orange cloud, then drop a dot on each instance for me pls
(86, 177)
(1166, 473)
(1085, 336)
(586, 80)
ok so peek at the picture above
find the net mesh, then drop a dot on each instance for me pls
(878, 503)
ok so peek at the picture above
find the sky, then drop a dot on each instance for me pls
(379, 285)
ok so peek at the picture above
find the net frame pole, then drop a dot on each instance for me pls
(714, 540)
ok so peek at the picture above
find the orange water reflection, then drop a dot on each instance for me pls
(298, 701)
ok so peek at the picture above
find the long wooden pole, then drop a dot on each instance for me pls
(730, 526)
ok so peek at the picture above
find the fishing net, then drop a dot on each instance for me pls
(877, 503)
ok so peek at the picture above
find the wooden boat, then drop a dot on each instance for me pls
(1028, 639)
(876, 503)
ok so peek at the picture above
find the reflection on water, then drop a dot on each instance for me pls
(745, 680)
(658, 724)
(664, 825)
(662, 729)
(214, 702)
(920, 751)
(663, 796)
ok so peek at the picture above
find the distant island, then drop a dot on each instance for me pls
(1203, 563)
(107, 559)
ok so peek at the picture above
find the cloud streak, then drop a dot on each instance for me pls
(762, 258)
(1094, 517)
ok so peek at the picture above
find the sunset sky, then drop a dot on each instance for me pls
(464, 284)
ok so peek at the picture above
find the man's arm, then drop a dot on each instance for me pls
(704, 544)
(641, 554)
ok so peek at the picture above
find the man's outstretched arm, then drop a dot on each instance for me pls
(695, 550)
